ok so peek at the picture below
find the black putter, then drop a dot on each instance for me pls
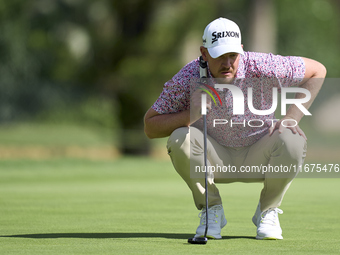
(204, 239)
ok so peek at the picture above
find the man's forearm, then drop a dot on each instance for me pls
(313, 86)
(162, 125)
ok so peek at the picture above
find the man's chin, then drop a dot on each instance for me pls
(226, 80)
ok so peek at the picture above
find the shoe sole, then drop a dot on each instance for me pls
(211, 237)
(268, 238)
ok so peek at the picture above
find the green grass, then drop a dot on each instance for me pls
(141, 206)
(44, 134)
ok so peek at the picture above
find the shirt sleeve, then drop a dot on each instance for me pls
(175, 96)
(287, 71)
(172, 99)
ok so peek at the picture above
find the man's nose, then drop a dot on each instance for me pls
(226, 62)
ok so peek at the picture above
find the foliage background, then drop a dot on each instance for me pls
(101, 64)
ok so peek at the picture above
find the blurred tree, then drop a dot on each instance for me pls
(263, 25)
(55, 51)
(37, 63)
(132, 22)
(311, 30)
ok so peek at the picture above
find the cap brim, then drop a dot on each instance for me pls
(217, 51)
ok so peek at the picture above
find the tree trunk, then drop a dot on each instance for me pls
(262, 32)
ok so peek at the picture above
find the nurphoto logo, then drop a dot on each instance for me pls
(239, 104)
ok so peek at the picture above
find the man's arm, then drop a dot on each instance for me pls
(161, 125)
(313, 80)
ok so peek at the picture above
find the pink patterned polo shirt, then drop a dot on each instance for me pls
(260, 71)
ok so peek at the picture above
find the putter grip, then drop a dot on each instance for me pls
(203, 68)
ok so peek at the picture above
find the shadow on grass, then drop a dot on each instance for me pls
(114, 235)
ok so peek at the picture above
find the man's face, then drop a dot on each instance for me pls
(223, 67)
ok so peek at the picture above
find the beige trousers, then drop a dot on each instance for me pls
(280, 151)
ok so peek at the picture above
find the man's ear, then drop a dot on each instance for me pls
(204, 53)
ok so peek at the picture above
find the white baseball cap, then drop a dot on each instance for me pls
(222, 36)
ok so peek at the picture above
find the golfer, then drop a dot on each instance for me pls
(239, 143)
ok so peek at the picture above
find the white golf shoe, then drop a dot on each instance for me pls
(216, 221)
(268, 225)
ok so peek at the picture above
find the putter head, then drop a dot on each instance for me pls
(198, 240)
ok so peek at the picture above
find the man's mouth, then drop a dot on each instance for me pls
(225, 73)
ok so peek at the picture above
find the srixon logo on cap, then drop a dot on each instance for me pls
(216, 35)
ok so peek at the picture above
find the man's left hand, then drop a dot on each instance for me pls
(289, 124)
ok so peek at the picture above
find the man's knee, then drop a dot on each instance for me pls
(294, 144)
(178, 139)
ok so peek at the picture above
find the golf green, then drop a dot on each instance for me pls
(141, 206)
